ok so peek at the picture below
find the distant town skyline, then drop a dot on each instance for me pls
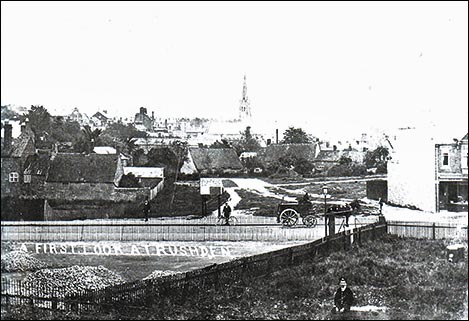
(328, 67)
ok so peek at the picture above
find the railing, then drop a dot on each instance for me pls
(142, 293)
(428, 230)
(247, 229)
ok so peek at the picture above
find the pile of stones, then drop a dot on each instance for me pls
(72, 280)
(19, 261)
(160, 273)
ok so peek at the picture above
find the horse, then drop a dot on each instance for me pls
(347, 209)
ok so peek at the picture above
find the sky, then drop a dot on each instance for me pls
(324, 66)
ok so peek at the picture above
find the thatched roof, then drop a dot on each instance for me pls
(272, 153)
(215, 159)
(81, 168)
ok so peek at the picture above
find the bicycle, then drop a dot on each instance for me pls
(231, 221)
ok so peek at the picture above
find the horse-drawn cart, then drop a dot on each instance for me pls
(289, 213)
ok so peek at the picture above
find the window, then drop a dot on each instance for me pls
(445, 159)
(13, 177)
(27, 178)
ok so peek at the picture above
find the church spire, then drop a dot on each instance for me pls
(244, 107)
(245, 89)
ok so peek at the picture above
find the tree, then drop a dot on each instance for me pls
(223, 144)
(90, 134)
(64, 131)
(348, 169)
(296, 136)
(247, 143)
(40, 122)
(298, 164)
(377, 158)
(89, 139)
(123, 132)
(344, 160)
(171, 157)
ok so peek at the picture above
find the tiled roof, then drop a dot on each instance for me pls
(81, 168)
(215, 158)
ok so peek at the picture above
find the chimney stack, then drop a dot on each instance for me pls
(8, 136)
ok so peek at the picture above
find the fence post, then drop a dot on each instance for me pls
(433, 231)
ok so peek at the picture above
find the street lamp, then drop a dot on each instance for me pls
(324, 192)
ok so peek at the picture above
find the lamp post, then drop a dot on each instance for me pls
(324, 192)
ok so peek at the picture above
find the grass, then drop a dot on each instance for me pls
(264, 206)
(267, 206)
(415, 282)
(181, 200)
(410, 277)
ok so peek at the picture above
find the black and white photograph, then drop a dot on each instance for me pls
(234, 160)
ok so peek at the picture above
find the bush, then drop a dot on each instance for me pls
(347, 169)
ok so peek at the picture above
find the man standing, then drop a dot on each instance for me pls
(146, 208)
(343, 298)
(227, 213)
(381, 205)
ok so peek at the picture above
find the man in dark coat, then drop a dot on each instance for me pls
(343, 298)
(227, 213)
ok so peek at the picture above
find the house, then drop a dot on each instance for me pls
(451, 175)
(328, 158)
(35, 172)
(99, 120)
(87, 186)
(74, 176)
(14, 153)
(19, 198)
(79, 117)
(148, 177)
(211, 161)
(428, 172)
(142, 121)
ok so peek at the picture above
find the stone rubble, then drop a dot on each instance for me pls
(71, 280)
(19, 261)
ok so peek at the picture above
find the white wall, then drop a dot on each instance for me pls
(411, 171)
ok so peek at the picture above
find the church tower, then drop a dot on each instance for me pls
(244, 107)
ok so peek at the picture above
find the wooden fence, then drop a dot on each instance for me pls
(265, 229)
(428, 230)
(143, 293)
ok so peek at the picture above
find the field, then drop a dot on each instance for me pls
(416, 282)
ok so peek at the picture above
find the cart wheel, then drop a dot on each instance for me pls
(289, 217)
(310, 221)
